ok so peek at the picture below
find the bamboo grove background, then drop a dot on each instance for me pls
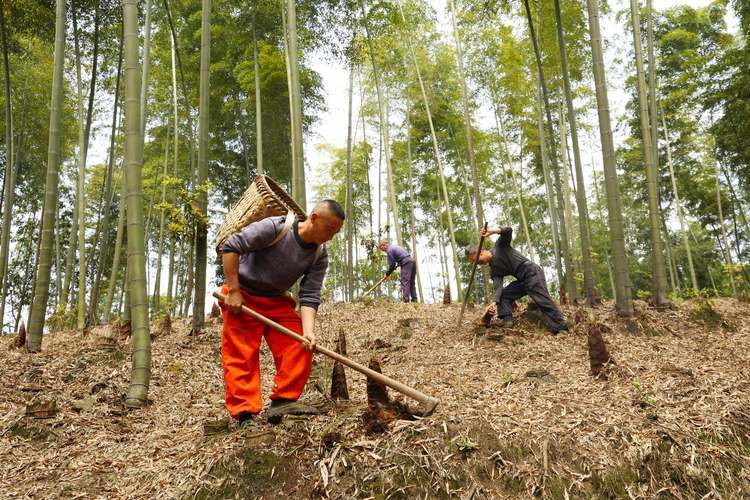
(465, 111)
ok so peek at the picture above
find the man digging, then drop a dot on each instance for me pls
(260, 267)
(397, 256)
(504, 260)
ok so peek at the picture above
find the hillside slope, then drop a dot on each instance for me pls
(520, 413)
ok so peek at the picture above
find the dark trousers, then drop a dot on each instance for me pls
(529, 281)
(408, 280)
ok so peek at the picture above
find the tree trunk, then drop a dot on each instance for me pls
(442, 253)
(201, 239)
(384, 126)
(82, 259)
(568, 206)
(413, 202)
(724, 239)
(258, 115)
(70, 254)
(115, 270)
(678, 204)
(292, 132)
(81, 181)
(146, 67)
(298, 158)
(551, 209)
(739, 203)
(141, 339)
(624, 303)
(34, 237)
(601, 216)
(379, 171)
(156, 300)
(439, 162)
(508, 171)
(12, 181)
(660, 299)
(84, 132)
(143, 117)
(41, 283)
(9, 187)
(467, 123)
(188, 294)
(192, 161)
(589, 286)
(58, 260)
(565, 242)
(176, 159)
(654, 122)
(349, 209)
(462, 175)
(362, 102)
(108, 196)
(672, 271)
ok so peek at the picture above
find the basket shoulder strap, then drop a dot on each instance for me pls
(288, 222)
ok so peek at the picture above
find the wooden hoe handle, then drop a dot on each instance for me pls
(471, 279)
(375, 286)
(428, 403)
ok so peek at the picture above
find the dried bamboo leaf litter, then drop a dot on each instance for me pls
(520, 415)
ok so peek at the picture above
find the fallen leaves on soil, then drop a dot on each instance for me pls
(675, 422)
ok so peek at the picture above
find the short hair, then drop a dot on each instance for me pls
(384, 242)
(334, 207)
(472, 249)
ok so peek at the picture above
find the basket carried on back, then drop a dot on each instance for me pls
(263, 198)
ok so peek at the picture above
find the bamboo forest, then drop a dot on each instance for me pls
(375, 249)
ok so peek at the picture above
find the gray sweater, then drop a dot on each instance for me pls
(271, 271)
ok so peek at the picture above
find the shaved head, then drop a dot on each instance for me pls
(325, 220)
(328, 208)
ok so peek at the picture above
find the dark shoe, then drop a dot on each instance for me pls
(281, 407)
(555, 331)
(246, 420)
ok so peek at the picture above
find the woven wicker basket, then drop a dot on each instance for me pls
(263, 198)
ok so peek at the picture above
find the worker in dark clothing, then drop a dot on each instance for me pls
(504, 260)
(397, 256)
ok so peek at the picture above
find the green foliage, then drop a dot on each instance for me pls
(705, 312)
(63, 318)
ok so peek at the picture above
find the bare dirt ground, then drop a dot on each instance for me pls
(520, 414)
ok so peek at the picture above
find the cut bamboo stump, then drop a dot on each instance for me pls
(381, 409)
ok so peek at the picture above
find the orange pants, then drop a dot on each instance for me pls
(240, 353)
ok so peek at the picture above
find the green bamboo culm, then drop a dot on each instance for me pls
(659, 278)
(9, 183)
(435, 148)
(41, 288)
(589, 285)
(622, 289)
(141, 357)
(570, 284)
(201, 236)
(114, 271)
(298, 157)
